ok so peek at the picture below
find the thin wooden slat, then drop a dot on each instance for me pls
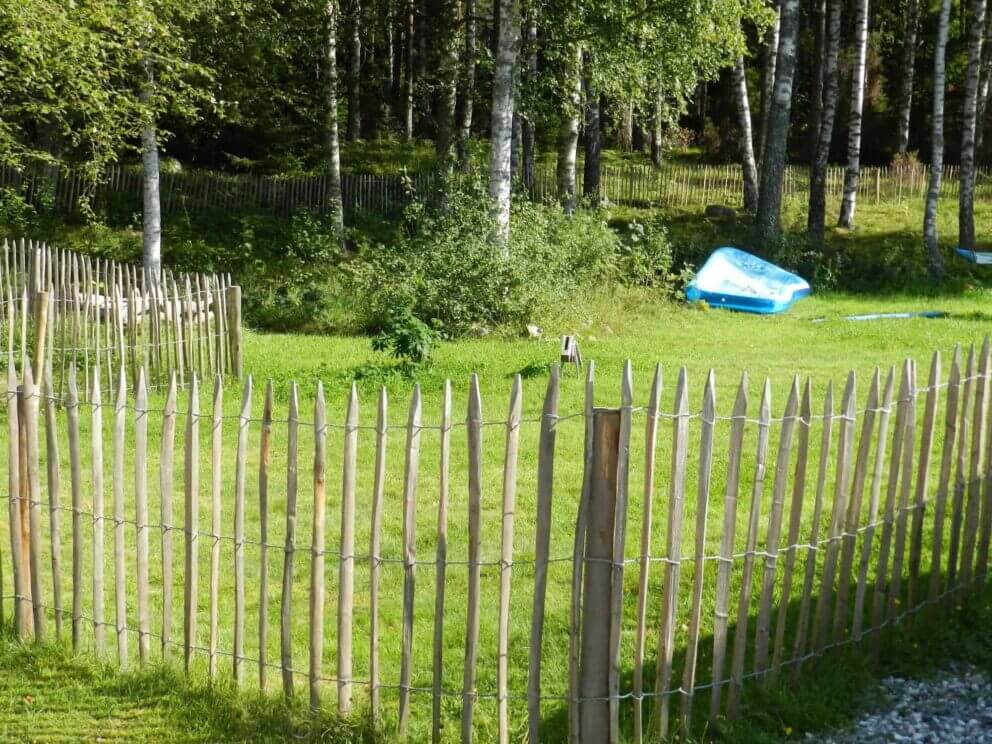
(673, 553)
(75, 477)
(899, 446)
(473, 427)
(861, 589)
(411, 471)
(795, 525)
(923, 483)
(191, 516)
(849, 539)
(141, 514)
(14, 507)
(651, 441)
(762, 633)
(845, 446)
(216, 520)
(240, 476)
(374, 549)
(619, 547)
(754, 520)
(725, 567)
(441, 564)
(698, 577)
(317, 548)
(944, 479)
(899, 549)
(964, 427)
(265, 447)
(166, 459)
(974, 485)
(346, 566)
(578, 563)
(33, 495)
(54, 488)
(506, 557)
(96, 480)
(286, 600)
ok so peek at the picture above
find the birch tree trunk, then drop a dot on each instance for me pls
(819, 23)
(816, 217)
(771, 52)
(984, 87)
(593, 141)
(331, 142)
(528, 128)
(501, 128)
(409, 72)
(773, 165)
(448, 76)
(354, 129)
(853, 173)
(748, 164)
(657, 133)
(568, 134)
(969, 117)
(467, 93)
(934, 257)
(908, 65)
(151, 202)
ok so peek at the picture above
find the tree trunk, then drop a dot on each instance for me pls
(819, 22)
(528, 128)
(908, 65)
(331, 144)
(773, 165)
(816, 217)
(657, 135)
(501, 127)
(354, 129)
(984, 88)
(448, 77)
(467, 92)
(593, 140)
(966, 197)
(625, 134)
(568, 134)
(396, 46)
(408, 81)
(516, 143)
(748, 164)
(771, 52)
(151, 214)
(853, 173)
(934, 257)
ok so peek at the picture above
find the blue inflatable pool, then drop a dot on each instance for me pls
(737, 280)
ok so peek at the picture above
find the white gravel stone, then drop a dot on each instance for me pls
(951, 707)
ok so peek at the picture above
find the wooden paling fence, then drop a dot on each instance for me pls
(670, 185)
(63, 308)
(703, 553)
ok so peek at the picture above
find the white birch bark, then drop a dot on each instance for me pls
(151, 215)
(969, 120)
(853, 173)
(748, 164)
(501, 127)
(934, 257)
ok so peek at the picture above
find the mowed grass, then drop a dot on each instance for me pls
(626, 325)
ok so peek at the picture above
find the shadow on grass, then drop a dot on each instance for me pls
(46, 688)
(831, 690)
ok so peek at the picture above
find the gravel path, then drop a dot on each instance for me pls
(953, 706)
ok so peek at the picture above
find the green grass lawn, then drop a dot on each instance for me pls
(612, 327)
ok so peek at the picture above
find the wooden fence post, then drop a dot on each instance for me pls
(233, 300)
(594, 654)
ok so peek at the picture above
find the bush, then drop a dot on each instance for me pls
(445, 268)
(646, 254)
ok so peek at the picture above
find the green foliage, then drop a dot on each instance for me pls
(645, 254)
(445, 268)
(406, 337)
(16, 212)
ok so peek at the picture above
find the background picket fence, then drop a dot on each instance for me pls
(671, 185)
(96, 313)
(758, 541)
